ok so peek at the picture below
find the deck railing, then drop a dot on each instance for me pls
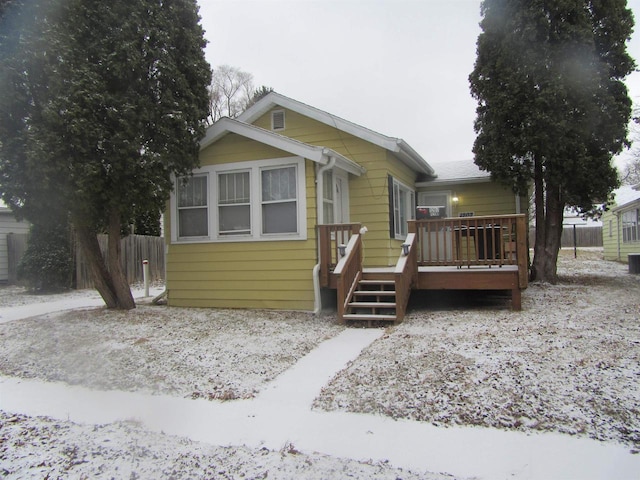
(405, 274)
(348, 272)
(331, 237)
(465, 242)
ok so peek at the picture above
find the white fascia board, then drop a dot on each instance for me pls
(346, 164)
(407, 154)
(453, 181)
(414, 158)
(627, 205)
(312, 152)
(274, 99)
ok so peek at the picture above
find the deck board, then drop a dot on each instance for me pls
(474, 278)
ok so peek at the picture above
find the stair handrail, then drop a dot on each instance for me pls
(348, 272)
(405, 274)
(331, 236)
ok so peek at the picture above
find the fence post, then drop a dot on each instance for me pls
(145, 276)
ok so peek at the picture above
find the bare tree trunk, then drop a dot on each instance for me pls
(108, 277)
(549, 216)
(101, 278)
(541, 234)
(118, 278)
(554, 216)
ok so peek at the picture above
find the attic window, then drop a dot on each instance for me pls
(277, 120)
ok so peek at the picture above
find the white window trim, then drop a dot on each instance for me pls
(636, 229)
(410, 213)
(256, 234)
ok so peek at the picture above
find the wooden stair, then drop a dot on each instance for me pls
(373, 302)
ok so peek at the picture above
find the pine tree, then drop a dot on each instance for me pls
(101, 102)
(552, 105)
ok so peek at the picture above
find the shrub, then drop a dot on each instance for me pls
(46, 265)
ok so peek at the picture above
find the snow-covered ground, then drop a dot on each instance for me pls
(568, 363)
(475, 388)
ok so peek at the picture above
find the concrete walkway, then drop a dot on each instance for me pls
(9, 314)
(281, 414)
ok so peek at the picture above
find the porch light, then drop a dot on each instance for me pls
(342, 249)
(405, 249)
(455, 199)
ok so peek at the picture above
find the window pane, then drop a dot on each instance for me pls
(403, 212)
(234, 188)
(192, 191)
(279, 184)
(279, 218)
(327, 211)
(327, 185)
(234, 219)
(193, 222)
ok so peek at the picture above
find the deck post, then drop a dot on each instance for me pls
(516, 298)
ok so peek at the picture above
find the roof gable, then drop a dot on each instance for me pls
(321, 155)
(395, 145)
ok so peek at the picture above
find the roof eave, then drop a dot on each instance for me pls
(624, 206)
(453, 181)
(412, 158)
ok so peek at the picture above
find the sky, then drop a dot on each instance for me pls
(398, 67)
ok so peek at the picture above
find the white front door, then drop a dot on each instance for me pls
(335, 197)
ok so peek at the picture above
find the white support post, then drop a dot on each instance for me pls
(145, 276)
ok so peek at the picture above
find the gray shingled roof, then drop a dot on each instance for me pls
(459, 171)
(625, 195)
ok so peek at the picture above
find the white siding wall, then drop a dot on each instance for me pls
(8, 224)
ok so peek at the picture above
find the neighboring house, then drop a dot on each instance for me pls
(283, 185)
(8, 225)
(620, 224)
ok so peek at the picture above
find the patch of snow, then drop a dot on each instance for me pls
(16, 303)
(469, 391)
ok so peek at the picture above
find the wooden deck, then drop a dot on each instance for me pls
(473, 253)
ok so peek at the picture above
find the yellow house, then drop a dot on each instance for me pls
(620, 224)
(282, 192)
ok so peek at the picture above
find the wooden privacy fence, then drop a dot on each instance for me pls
(135, 249)
(584, 236)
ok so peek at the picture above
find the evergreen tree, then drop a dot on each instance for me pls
(552, 105)
(101, 102)
(47, 264)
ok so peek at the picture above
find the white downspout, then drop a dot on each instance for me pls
(317, 302)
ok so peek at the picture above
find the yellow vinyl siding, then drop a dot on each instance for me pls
(245, 274)
(235, 148)
(369, 193)
(487, 198)
(610, 236)
(613, 246)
